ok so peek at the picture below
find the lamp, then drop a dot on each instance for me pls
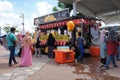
(22, 16)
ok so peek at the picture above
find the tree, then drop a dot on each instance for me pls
(55, 9)
(8, 26)
(61, 6)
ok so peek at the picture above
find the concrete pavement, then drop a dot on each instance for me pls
(21, 73)
(72, 71)
(44, 68)
(15, 72)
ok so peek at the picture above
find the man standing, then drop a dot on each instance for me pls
(11, 42)
(80, 42)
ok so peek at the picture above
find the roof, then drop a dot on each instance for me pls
(108, 10)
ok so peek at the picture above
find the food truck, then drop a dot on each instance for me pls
(56, 23)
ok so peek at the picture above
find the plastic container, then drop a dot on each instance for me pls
(94, 51)
(63, 56)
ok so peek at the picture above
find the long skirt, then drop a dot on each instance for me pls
(26, 57)
(50, 52)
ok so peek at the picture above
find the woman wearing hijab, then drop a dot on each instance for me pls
(26, 58)
(103, 53)
(112, 43)
(50, 44)
(118, 49)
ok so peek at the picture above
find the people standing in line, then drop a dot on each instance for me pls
(80, 42)
(26, 57)
(103, 53)
(11, 43)
(50, 44)
(38, 51)
(112, 43)
(118, 48)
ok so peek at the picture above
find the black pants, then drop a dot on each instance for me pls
(20, 52)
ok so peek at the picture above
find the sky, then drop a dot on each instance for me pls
(10, 11)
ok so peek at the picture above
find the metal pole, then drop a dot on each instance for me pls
(23, 24)
(74, 8)
(74, 31)
(22, 16)
(0, 31)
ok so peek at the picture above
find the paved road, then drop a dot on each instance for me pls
(44, 68)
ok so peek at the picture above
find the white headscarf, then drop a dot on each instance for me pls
(102, 35)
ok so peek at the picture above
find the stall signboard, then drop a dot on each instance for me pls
(59, 15)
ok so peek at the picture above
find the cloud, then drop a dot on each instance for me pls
(6, 12)
(9, 15)
(6, 6)
(25, 4)
(43, 8)
(29, 26)
(9, 18)
(34, 15)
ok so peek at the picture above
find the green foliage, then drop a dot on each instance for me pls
(8, 26)
(61, 6)
(55, 9)
(69, 6)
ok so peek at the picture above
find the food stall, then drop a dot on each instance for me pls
(65, 28)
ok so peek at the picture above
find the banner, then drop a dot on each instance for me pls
(59, 15)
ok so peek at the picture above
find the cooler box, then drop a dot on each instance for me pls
(94, 51)
(63, 56)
